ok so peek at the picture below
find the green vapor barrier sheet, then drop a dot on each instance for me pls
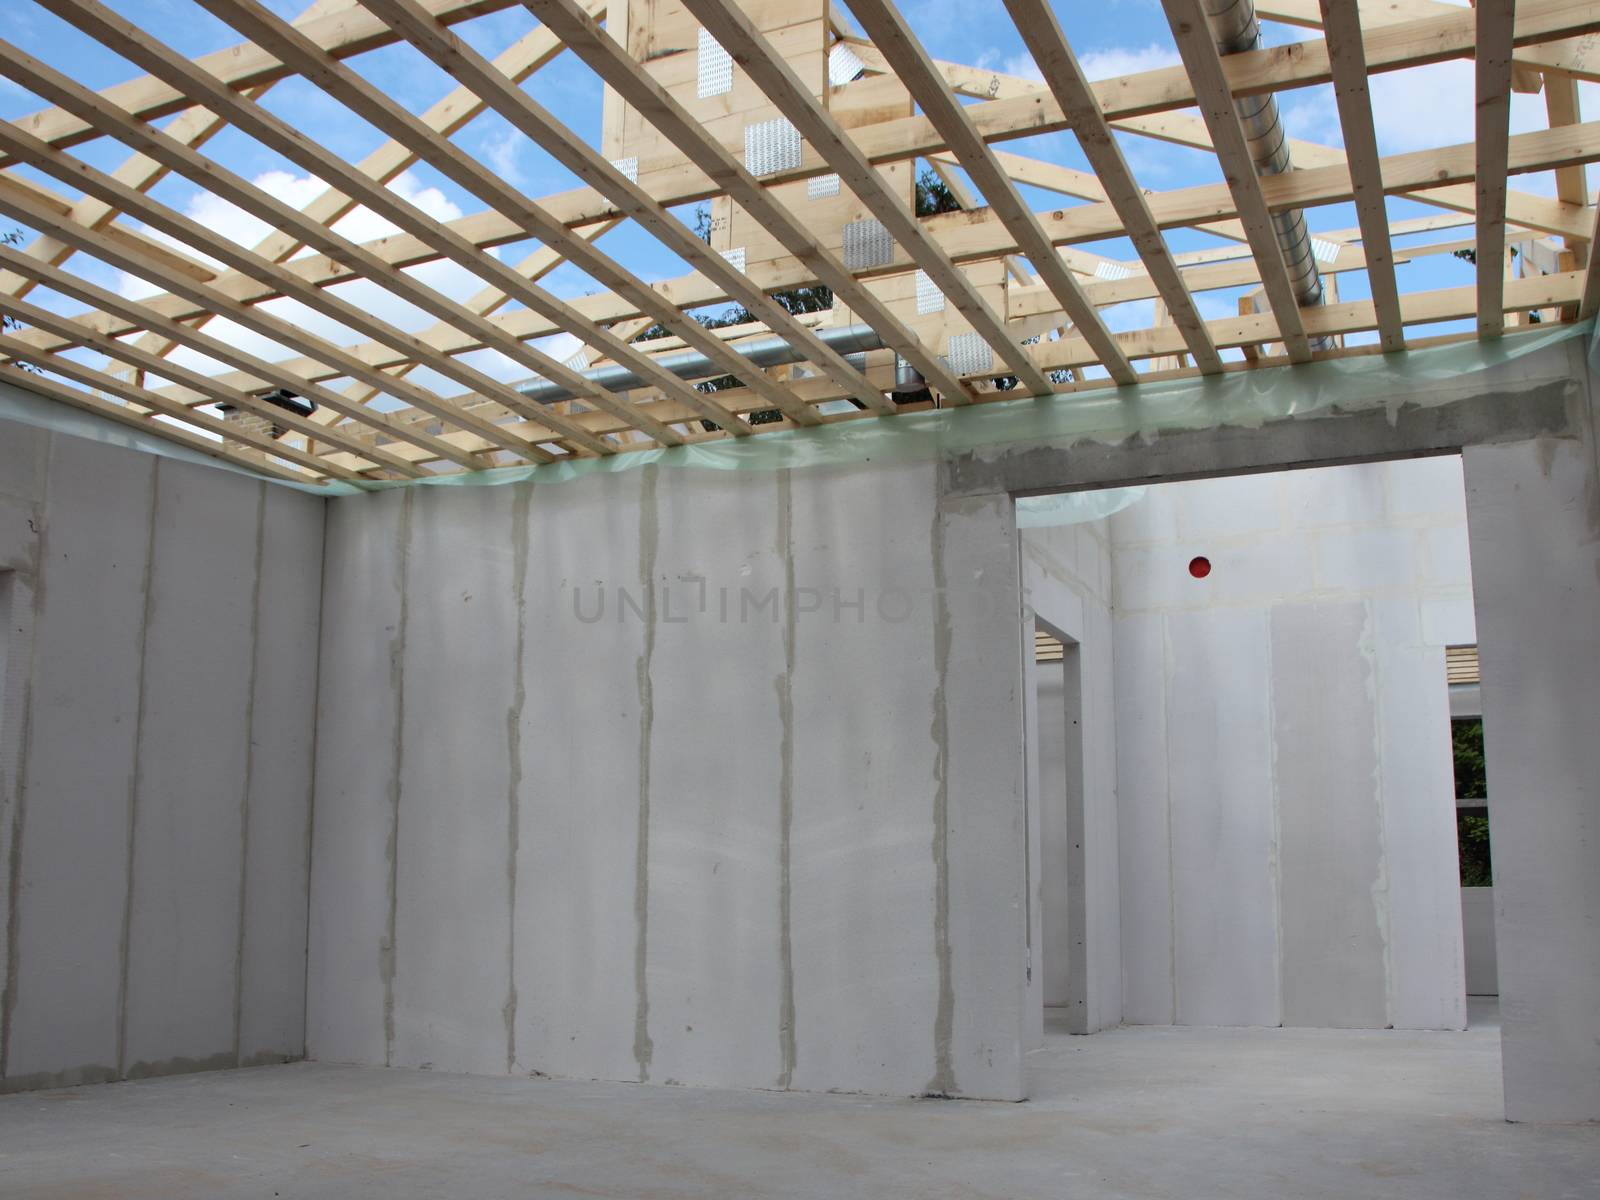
(1246, 398)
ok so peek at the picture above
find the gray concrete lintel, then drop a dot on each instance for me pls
(1548, 408)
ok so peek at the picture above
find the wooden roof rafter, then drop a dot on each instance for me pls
(212, 301)
(407, 130)
(131, 413)
(94, 19)
(1493, 79)
(450, 113)
(603, 55)
(916, 70)
(1043, 37)
(516, 106)
(1343, 34)
(774, 77)
(1204, 65)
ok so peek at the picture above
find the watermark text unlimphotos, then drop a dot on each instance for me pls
(696, 598)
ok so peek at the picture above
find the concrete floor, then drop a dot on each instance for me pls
(1144, 1112)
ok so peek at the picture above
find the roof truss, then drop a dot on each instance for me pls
(799, 167)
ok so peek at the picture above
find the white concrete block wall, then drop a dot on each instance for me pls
(1285, 798)
(755, 822)
(579, 971)
(157, 778)
(362, 638)
(1535, 528)
(719, 977)
(455, 846)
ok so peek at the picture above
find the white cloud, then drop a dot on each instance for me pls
(1419, 108)
(1129, 315)
(502, 152)
(1097, 64)
(1127, 60)
(1017, 64)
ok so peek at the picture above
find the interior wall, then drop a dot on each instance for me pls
(683, 777)
(1283, 747)
(1055, 894)
(1067, 573)
(155, 751)
(1535, 517)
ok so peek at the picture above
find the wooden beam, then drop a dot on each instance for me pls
(1496, 20)
(1522, 207)
(932, 93)
(970, 236)
(516, 106)
(190, 232)
(1572, 59)
(1572, 183)
(97, 21)
(343, 33)
(1342, 26)
(1200, 58)
(1403, 174)
(219, 181)
(967, 236)
(1589, 300)
(143, 398)
(455, 110)
(259, 370)
(1042, 35)
(446, 116)
(973, 236)
(211, 301)
(612, 63)
(217, 393)
(1355, 316)
(774, 77)
(375, 106)
(1035, 305)
(1417, 308)
(1167, 89)
(44, 386)
(192, 128)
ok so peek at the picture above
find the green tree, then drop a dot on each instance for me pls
(1472, 828)
(1472, 841)
(933, 196)
(1466, 736)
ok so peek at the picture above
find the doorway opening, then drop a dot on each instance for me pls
(1246, 808)
(1059, 960)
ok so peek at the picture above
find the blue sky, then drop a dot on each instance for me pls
(1415, 109)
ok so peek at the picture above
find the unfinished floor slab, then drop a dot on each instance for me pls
(1134, 1112)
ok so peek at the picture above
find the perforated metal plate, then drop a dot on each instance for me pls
(1323, 250)
(867, 244)
(628, 167)
(820, 187)
(735, 257)
(713, 68)
(1111, 270)
(771, 146)
(844, 65)
(929, 298)
(969, 353)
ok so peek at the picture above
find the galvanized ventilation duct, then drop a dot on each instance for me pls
(852, 341)
(1235, 29)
